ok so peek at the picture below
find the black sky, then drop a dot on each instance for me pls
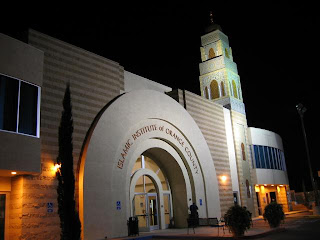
(275, 46)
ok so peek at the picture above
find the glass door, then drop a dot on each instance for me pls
(153, 211)
(139, 203)
(167, 209)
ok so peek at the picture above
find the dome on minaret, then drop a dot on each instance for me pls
(212, 26)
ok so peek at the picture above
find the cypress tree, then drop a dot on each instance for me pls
(69, 218)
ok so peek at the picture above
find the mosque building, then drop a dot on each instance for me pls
(140, 148)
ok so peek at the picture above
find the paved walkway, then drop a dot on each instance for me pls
(260, 228)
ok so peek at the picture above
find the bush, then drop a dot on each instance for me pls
(274, 214)
(238, 219)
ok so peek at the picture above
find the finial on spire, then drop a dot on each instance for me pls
(211, 17)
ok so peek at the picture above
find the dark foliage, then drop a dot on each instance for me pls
(238, 219)
(274, 214)
(69, 218)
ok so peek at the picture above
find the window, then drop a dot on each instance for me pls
(279, 158)
(206, 93)
(263, 163)
(243, 152)
(234, 88)
(248, 188)
(275, 158)
(211, 53)
(19, 108)
(266, 156)
(256, 156)
(226, 53)
(222, 89)
(269, 158)
(214, 89)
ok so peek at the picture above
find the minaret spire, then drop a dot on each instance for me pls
(211, 17)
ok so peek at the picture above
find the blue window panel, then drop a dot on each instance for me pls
(279, 158)
(262, 160)
(276, 165)
(274, 152)
(271, 158)
(266, 157)
(283, 162)
(256, 156)
(252, 157)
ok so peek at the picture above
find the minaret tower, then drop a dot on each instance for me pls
(220, 83)
(219, 79)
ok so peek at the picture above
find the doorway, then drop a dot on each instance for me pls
(152, 196)
(146, 209)
(273, 196)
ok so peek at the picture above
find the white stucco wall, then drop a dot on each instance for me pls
(104, 183)
(231, 153)
(264, 137)
(258, 136)
(136, 82)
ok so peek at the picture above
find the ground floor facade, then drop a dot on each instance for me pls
(140, 149)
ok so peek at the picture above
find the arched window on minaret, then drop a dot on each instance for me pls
(222, 89)
(214, 89)
(243, 152)
(226, 53)
(206, 93)
(211, 53)
(234, 88)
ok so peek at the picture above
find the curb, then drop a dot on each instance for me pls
(258, 235)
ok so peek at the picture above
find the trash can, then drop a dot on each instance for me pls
(133, 226)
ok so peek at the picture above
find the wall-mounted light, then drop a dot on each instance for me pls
(56, 167)
(13, 173)
(223, 178)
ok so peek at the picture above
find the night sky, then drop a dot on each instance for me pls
(275, 47)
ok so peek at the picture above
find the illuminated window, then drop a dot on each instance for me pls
(226, 52)
(248, 188)
(148, 163)
(234, 88)
(211, 53)
(19, 108)
(214, 89)
(222, 89)
(206, 93)
(243, 152)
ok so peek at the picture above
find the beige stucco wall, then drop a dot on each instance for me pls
(21, 61)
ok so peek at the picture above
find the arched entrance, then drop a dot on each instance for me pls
(159, 129)
(148, 188)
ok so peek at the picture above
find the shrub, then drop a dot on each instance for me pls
(274, 214)
(238, 219)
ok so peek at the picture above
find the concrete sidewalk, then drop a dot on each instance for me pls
(260, 228)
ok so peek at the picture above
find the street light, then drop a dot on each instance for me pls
(301, 110)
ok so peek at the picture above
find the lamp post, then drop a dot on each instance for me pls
(301, 110)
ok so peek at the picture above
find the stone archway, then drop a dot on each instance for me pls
(128, 127)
